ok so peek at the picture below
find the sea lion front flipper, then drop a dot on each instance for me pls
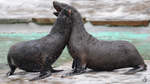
(45, 71)
(78, 68)
(72, 73)
(54, 70)
(43, 74)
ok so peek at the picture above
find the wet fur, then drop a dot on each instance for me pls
(99, 55)
(38, 55)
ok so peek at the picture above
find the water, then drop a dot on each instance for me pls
(13, 33)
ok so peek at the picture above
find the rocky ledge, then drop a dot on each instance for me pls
(90, 77)
(50, 21)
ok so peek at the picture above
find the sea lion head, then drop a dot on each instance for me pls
(65, 16)
(58, 6)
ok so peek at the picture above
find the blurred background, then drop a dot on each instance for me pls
(22, 20)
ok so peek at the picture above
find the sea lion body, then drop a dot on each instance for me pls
(32, 55)
(108, 55)
(100, 55)
(38, 55)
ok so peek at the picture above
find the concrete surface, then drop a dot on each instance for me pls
(90, 77)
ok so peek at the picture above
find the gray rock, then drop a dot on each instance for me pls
(14, 20)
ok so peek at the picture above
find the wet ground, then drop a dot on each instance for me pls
(90, 77)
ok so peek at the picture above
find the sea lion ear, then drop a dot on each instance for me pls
(68, 12)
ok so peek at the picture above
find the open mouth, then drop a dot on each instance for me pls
(57, 8)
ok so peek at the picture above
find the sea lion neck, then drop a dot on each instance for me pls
(61, 27)
(78, 25)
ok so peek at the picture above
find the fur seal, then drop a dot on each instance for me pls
(38, 55)
(99, 55)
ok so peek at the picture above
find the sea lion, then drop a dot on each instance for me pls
(99, 55)
(38, 55)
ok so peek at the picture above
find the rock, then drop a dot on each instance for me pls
(90, 77)
(46, 21)
(15, 20)
(121, 23)
(50, 21)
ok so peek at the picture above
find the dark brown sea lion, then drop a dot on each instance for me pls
(38, 55)
(99, 55)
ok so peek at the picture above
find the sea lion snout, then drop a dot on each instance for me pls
(58, 6)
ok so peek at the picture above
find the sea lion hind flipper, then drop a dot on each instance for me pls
(136, 69)
(11, 65)
(12, 70)
(42, 75)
